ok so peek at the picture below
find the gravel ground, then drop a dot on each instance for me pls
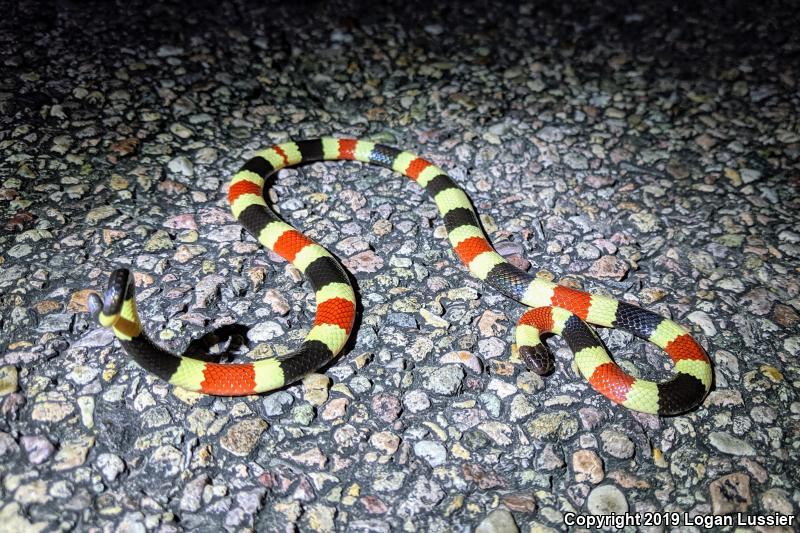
(639, 150)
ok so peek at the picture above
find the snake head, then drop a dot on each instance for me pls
(537, 358)
(120, 288)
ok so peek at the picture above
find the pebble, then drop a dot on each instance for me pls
(727, 443)
(191, 499)
(181, 165)
(432, 452)
(320, 518)
(276, 403)
(617, 444)
(38, 448)
(730, 494)
(334, 409)
(110, 465)
(72, 453)
(387, 407)
(467, 359)
(8, 380)
(587, 466)
(445, 380)
(416, 401)
(704, 321)
(558, 425)
(241, 437)
(498, 521)
(550, 458)
(520, 502)
(385, 441)
(606, 500)
(367, 261)
(610, 267)
(521, 408)
(303, 414)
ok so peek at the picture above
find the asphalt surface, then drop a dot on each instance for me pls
(636, 149)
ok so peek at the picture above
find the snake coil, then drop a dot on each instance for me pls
(554, 308)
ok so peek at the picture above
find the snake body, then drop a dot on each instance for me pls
(554, 308)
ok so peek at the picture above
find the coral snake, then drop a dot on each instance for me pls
(554, 308)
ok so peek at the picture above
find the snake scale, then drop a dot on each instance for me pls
(554, 308)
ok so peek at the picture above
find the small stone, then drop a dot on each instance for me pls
(587, 251)
(277, 302)
(590, 417)
(367, 261)
(320, 518)
(498, 432)
(51, 407)
(433, 320)
(485, 478)
(733, 175)
(749, 175)
(110, 465)
(587, 466)
(727, 443)
(386, 406)
(498, 521)
(277, 403)
(576, 161)
(373, 505)
(335, 409)
(86, 406)
(596, 181)
(551, 458)
(13, 520)
(554, 425)
(7, 444)
(385, 441)
(617, 444)
(465, 358)
(445, 380)
(705, 141)
(73, 452)
(500, 387)
(206, 290)
(303, 414)
(100, 213)
(730, 494)
(199, 420)
(606, 500)
(38, 448)
(311, 457)
(609, 267)
(8, 380)
(434, 453)
(521, 502)
(702, 319)
(550, 134)
(521, 408)
(315, 389)
(403, 320)
(192, 497)
(434, 29)
(645, 222)
(265, 331)
(777, 501)
(242, 437)
(416, 401)
(181, 165)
